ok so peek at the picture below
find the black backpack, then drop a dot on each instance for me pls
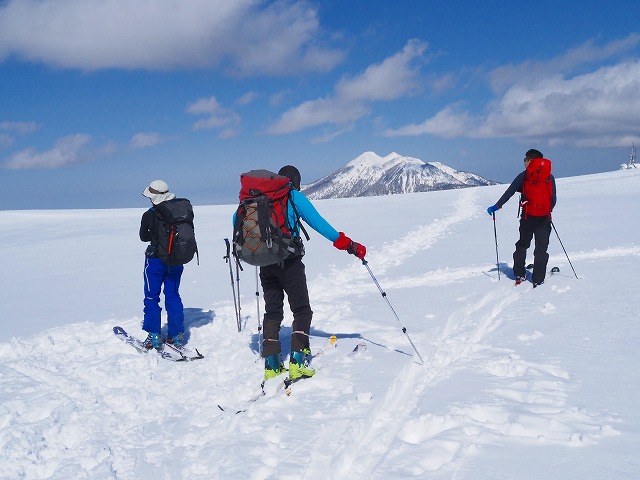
(176, 236)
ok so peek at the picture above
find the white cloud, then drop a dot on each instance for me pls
(587, 53)
(597, 108)
(67, 150)
(395, 77)
(601, 107)
(18, 127)
(448, 123)
(8, 131)
(247, 98)
(276, 99)
(217, 116)
(244, 36)
(319, 112)
(145, 140)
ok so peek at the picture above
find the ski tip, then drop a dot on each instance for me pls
(359, 348)
(118, 330)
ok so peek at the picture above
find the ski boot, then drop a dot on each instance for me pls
(299, 365)
(177, 341)
(273, 367)
(153, 341)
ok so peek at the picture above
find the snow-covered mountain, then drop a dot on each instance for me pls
(371, 175)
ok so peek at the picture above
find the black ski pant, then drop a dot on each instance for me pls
(530, 227)
(290, 278)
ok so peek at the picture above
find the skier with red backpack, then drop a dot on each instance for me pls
(537, 187)
(267, 234)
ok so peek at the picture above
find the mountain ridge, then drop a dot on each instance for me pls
(369, 174)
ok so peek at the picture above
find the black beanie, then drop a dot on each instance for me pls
(292, 174)
(533, 153)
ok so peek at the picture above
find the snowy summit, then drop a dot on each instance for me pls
(371, 175)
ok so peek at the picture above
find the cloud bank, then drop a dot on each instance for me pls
(245, 37)
(395, 77)
(67, 150)
(546, 102)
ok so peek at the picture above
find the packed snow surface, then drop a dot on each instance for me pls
(517, 383)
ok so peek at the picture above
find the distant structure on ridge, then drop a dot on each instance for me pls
(632, 159)
(371, 175)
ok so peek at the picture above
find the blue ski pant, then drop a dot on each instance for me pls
(157, 277)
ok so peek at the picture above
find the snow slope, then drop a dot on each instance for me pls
(517, 383)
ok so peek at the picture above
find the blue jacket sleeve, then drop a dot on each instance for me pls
(310, 215)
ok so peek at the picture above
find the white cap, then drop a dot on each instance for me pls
(158, 192)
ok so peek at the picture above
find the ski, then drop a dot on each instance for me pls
(276, 389)
(332, 342)
(176, 354)
(186, 354)
(530, 267)
(288, 384)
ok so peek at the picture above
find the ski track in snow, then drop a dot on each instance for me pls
(57, 377)
(546, 417)
(366, 441)
(353, 278)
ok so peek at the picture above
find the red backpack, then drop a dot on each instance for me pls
(262, 234)
(537, 189)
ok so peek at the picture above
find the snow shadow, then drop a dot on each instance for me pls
(285, 338)
(193, 318)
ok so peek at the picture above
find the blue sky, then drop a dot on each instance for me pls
(99, 98)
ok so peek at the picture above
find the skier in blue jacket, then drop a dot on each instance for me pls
(289, 277)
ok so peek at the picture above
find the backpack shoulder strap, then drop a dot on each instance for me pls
(297, 223)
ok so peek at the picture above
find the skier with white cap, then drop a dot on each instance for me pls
(158, 275)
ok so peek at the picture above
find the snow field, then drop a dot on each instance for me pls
(517, 382)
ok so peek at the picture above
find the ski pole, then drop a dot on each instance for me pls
(238, 294)
(258, 311)
(227, 258)
(565, 251)
(495, 234)
(384, 295)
